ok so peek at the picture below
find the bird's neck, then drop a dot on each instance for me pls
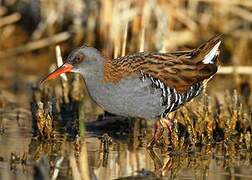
(95, 83)
(94, 73)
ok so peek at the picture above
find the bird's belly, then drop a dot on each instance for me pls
(130, 97)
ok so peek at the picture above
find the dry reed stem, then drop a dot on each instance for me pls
(242, 34)
(235, 69)
(125, 39)
(57, 168)
(44, 121)
(80, 170)
(183, 17)
(84, 162)
(65, 92)
(38, 44)
(190, 127)
(10, 19)
(243, 13)
(245, 3)
(121, 14)
(75, 170)
(174, 136)
(3, 10)
(77, 93)
(60, 62)
(144, 20)
(142, 39)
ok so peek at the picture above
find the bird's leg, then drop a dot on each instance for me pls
(158, 132)
(160, 125)
(172, 130)
(166, 121)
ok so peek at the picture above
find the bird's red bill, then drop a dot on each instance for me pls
(62, 69)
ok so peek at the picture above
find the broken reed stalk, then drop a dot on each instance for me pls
(44, 120)
(60, 61)
(66, 110)
(63, 76)
(213, 122)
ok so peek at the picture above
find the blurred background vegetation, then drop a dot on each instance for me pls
(30, 30)
(29, 33)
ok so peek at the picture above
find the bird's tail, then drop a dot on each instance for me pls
(208, 52)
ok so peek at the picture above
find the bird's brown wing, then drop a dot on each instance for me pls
(176, 71)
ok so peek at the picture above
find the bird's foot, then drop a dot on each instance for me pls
(158, 132)
(159, 129)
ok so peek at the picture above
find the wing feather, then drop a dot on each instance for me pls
(176, 70)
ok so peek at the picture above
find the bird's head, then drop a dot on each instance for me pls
(84, 60)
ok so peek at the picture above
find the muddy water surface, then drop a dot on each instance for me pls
(113, 159)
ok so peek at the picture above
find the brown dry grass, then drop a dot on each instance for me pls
(121, 27)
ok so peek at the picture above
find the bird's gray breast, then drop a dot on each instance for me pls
(133, 97)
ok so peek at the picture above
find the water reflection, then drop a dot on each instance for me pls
(113, 158)
(209, 162)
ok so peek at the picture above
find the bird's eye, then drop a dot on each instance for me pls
(78, 58)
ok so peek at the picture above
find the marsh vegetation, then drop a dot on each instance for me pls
(55, 131)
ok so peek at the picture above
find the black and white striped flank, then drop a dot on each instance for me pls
(170, 97)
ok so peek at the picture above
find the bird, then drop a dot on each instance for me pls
(147, 85)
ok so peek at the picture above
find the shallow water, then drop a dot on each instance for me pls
(123, 156)
(122, 159)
